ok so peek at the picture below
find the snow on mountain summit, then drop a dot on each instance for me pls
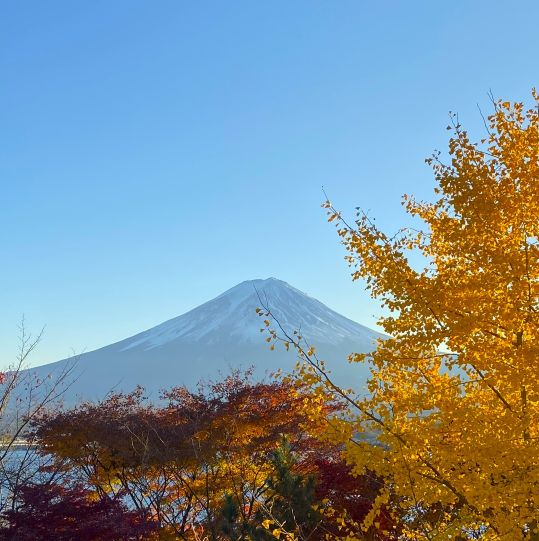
(234, 313)
(217, 336)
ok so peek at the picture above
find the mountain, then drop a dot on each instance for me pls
(219, 335)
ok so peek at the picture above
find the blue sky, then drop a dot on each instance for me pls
(155, 153)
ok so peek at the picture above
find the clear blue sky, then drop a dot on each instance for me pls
(155, 153)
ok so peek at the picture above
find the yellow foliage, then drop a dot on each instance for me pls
(454, 393)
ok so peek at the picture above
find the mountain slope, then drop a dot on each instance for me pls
(215, 337)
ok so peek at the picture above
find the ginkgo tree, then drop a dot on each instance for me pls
(453, 395)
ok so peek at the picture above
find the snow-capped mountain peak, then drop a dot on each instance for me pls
(233, 313)
(219, 335)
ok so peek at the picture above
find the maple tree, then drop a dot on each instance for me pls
(209, 464)
(453, 395)
(53, 512)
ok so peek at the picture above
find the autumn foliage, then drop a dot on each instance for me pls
(444, 445)
(453, 398)
(235, 460)
(54, 512)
